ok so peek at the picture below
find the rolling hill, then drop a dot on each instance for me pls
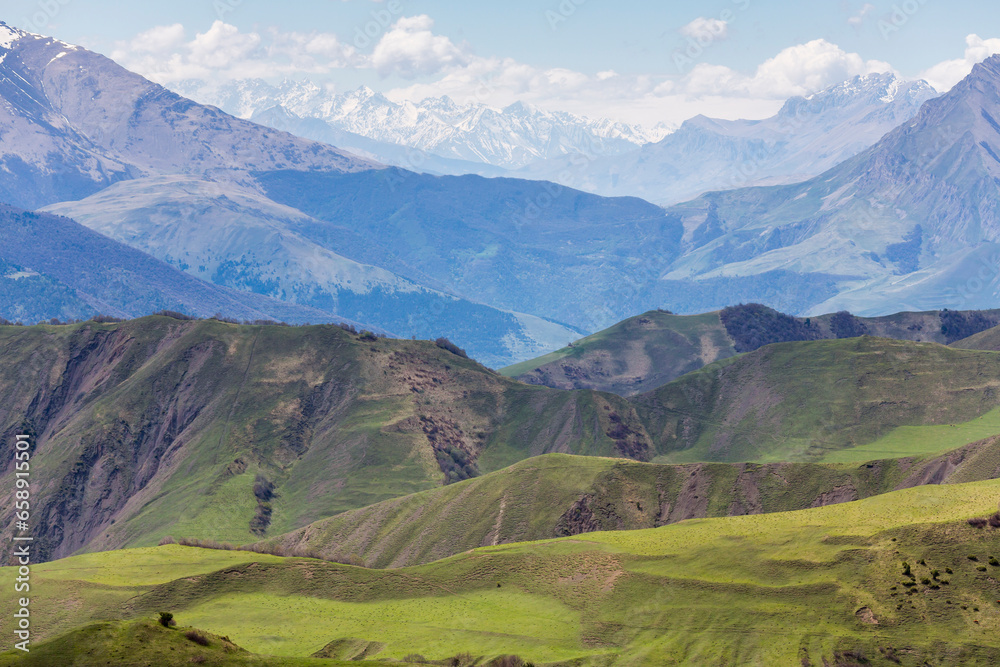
(810, 400)
(649, 350)
(898, 579)
(983, 340)
(224, 431)
(557, 495)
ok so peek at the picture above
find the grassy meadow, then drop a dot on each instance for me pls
(754, 590)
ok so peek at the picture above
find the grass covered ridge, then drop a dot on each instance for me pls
(559, 495)
(804, 401)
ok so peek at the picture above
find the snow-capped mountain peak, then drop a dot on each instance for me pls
(509, 138)
(9, 35)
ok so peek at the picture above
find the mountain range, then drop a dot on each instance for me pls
(512, 268)
(162, 157)
(471, 136)
(734, 486)
(910, 222)
(805, 138)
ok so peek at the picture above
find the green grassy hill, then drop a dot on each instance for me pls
(852, 399)
(220, 431)
(558, 495)
(144, 643)
(647, 351)
(897, 579)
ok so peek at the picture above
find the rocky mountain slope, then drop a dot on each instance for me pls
(75, 122)
(214, 430)
(909, 224)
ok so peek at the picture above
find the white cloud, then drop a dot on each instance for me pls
(797, 70)
(860, 17)
(706, 30)
(945, 75)
(165, 55)
(221, 46)
(410, 49)
(434, 66)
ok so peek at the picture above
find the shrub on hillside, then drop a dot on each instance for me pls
(167, 619)
(845, 325)
(368, 336)
(167, 540)
(446, 344)
(752, 326)
(263, 488)
(174, 315)
(508, 661)
(106, 319)
(956, 325)
(977, 522)
(197, 637)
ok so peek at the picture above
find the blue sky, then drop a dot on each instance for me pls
(641, 61)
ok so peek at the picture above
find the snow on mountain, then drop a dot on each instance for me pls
(808, 136)
(180, 181)
(911, 223)
(475, 133)
(74, 122)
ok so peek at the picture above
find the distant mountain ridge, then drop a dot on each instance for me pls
(54, 268)
(473, 133)
(185, 181)
(645, 352)
(61, 142)
(909, 224)
(806, 137)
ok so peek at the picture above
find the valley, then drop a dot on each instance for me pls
(408, 347)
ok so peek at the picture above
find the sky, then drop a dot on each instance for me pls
(637, 61)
